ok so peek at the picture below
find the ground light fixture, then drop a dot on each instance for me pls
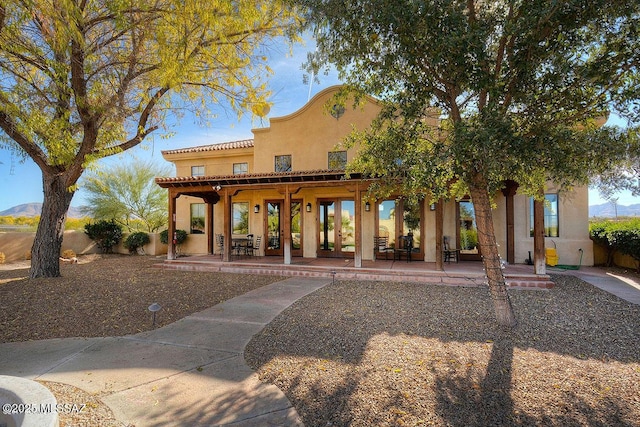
(154, 308)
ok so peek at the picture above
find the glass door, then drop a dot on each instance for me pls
(336, 224)
(467, 237)
(296, 228)
(274, 225)
(273, 245)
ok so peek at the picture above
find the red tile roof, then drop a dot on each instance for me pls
(255, 178)
(245, 143)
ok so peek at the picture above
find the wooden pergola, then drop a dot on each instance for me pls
(212, 189)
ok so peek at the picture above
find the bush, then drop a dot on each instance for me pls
(106, 234)
(136, 241)
(468, 238)
(68, 254)
(181, 236)
(3, 258)
(622, 236)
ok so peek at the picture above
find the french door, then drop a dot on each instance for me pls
(336, 228)
(274, 224)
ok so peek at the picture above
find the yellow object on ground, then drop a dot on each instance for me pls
(552, 256)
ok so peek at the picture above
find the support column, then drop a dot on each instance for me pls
(286, 226)
(357, 256)
(171, 246)
(509, 192)
(439, 234)
(227, 229)
(538, 237)
(210, 231)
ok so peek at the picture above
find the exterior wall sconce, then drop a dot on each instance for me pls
(367, 206)
(256, 209)
(432, 207)
(308, 207)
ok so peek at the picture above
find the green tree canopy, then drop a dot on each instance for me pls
(519, 88)
(85, 79)
(127, 193)
(623, 175)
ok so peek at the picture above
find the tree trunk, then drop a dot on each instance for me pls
(45, 252)
(490, 255)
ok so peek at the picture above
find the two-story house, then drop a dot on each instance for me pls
(287, 185)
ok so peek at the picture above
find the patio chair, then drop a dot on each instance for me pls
(381, 246)
(449, 253)
(406, 247)
(220, 244)
(254, 246)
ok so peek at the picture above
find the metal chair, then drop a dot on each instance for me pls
(220, 244)
(406, 247)
(449, 254)
(254, 247)
(381, 246)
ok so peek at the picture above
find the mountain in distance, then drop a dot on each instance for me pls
(605, 210)
(608, 210)
(34, 209)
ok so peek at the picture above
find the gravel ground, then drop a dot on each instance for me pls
(105, 295)
(390, 354)
(108, 295)
(367, 353)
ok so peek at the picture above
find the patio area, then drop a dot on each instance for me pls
(463, 273)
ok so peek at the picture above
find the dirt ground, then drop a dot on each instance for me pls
(367, 353)
(105, 295)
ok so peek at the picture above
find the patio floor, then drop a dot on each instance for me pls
(463, 273)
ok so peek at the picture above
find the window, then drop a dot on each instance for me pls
(387, 220)
(240, 218)
(197, 170)
(240, 168)
(468, 229)
(197, 218)
(411, 221)
(283, 163)
(400, 218)
(337, 160)
(550, 216)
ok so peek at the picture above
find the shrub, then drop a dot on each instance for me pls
(181, 236)
(106, 234)
(135, 241)
(622, 236)
(468, 238)
(68, 254)
(3, 258)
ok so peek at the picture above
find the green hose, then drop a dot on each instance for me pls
(571, 267)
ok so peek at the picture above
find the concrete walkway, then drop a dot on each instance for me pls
(625, 288)
(191, 372)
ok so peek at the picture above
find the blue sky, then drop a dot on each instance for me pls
(21, 181)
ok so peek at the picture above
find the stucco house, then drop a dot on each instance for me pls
(287, 186)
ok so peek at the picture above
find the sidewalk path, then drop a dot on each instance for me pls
(622, 287)
(191, 372)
